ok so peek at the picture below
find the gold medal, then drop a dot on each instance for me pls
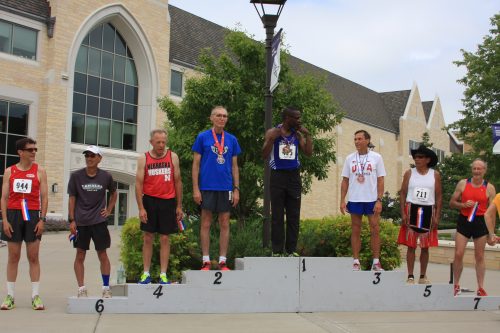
(220, 159)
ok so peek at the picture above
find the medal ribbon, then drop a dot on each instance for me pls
(361, 166)
(24, 210)
(473, 212)
(219, 146)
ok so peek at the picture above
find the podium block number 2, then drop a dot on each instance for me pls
(218, 276)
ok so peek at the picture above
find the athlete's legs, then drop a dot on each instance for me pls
(424, 260)
(32, 251)
(105, 264)
(14, 249)
(79, 266)
(373, 219)
(356, 235)
(164, 252)
(206, 221)
(224, 233)
(479, 245)
(147, 250)
(458, 265)
(410, 259)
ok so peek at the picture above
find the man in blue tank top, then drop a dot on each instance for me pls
(281, 146)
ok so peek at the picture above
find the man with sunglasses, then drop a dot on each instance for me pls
(282, 144)
(24, 207)
(88, 216)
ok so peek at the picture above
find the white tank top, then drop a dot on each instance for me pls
(421, 188)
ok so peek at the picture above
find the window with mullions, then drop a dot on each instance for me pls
(176, 83)
(13, 126)
(18, 40)
(105, 91)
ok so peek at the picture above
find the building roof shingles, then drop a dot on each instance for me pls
(190, 34)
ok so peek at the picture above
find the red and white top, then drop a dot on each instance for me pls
(159, 176)
(476, 194)
(24, 185)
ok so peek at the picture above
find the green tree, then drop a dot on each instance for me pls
(482, 99)
(236, 80)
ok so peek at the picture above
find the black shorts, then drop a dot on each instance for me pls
(23, 230)
(474, 229)
(99, 233)
(217, 201)
(161, 215)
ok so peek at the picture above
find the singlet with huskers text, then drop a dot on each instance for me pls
(159, 176)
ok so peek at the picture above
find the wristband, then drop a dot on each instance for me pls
(236, 188)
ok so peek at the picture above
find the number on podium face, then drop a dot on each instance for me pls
(218, 277)
(427, 291)
(377, 278)
(158, 292)
(99, 305)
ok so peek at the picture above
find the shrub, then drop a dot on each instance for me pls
(183, 250)
(56, 224)
(331, 237)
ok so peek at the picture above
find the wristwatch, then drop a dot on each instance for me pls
(236, 188)
(70, 219)
(43, 218)
(379, 199)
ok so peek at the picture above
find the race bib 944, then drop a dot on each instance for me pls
(22, 185)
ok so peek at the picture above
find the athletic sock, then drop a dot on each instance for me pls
(422, 276)
(356, 261)
(82, 288)
(411, 276)
(206, 258)
(146, 272)
(105, 280)
(375, 261)
(10, 288)
(35, 286)
(222, 259)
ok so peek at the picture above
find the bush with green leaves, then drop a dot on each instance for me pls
(184, 252)
(331, 237)
(328, 237)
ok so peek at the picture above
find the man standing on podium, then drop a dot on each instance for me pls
(363, 176)
(282, 144)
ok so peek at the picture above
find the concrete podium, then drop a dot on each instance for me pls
(262, 284)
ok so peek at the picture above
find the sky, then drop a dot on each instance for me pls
(384, 45)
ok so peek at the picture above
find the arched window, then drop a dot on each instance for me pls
(105, 91)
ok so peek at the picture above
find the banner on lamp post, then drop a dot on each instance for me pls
(496, 138)
(275, 71)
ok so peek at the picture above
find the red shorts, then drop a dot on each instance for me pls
(409, 237)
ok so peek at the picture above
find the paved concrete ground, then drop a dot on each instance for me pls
(58, 282)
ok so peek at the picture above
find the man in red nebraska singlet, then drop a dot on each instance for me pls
(158, 190)
(472, 197)
(24, 207)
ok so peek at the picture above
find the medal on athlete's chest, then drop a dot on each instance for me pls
(219, 146)
(220, 159)
(360, 179)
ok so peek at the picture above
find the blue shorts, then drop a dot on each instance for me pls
(361, 208)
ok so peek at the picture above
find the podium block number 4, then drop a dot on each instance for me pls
(158, 292)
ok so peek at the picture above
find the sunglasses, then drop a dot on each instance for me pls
(31, 150)
(90, 155)
(419, 156)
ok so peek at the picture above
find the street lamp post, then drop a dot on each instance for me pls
(269, 21)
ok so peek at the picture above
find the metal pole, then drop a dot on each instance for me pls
(269, 22)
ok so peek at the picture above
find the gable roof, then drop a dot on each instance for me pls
(190, 33)
(38, 10)
(427, 106)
